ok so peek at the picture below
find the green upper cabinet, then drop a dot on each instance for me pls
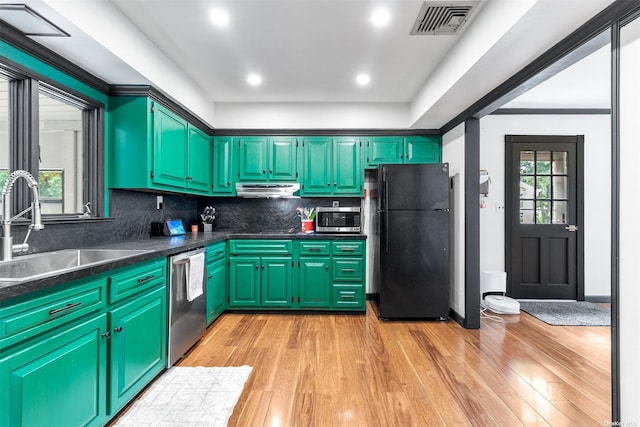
(267, 159)
(423, 149)
(223, 171)
(331, 166)
(200, 156)
(153, 148)
(397, 149)
(317, 166)
(347, 173)
(169, 148)
(384, 149)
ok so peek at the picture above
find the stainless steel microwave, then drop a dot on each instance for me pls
(338, 220)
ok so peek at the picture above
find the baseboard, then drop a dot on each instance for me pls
(372, 296)
(457, 317)
(598, 298)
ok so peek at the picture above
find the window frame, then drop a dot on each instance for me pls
(24, 89)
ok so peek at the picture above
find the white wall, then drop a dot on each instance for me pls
(453, 153)
(597, 182)
(285, 115)
(629, 244)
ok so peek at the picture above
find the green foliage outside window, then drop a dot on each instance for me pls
(51, 183)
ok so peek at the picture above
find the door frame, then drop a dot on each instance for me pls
(509, 202)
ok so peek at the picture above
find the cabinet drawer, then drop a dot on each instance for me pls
(216, 252)
(348, 297)
(348, 248)
(347, 270)
(131, 280)
(260, 247)
(40, 314)
(314, 248)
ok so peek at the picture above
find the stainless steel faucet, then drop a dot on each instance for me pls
(8, 248)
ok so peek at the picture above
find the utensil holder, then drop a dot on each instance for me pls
(208, 228)
(307, 225)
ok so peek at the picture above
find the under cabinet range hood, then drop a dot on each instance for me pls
(267, 190)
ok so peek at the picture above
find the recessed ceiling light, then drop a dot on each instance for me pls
(363, 79)
(380, 17)
(219, 17)
(254, 79)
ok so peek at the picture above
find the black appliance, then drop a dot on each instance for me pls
(413, 215)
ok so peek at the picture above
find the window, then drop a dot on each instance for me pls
(4, 132)
(544, 184)
(63, 147)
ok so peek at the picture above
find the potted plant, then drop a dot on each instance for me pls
(208, 216)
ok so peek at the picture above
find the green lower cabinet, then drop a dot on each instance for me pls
(347, 297)
(216, 288)
(58, 379)
(138, 346)
(276, 281)
(244, 281)
(315, 282)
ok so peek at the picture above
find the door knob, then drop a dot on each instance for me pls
(571, 227)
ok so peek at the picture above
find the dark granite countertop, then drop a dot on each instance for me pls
(156, 247)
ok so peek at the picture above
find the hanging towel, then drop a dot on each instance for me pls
(195, 275)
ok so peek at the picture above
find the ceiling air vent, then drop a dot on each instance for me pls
(442, 17)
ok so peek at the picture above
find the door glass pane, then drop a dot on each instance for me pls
(526, 212)
(543, 162)
(560, 213)
(543, 187)
(559, 162)
(543, 212)
(560, 187)
(527, 162)
(527, 188)
(4, 133)
(61, 156)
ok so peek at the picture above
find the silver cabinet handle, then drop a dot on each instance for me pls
(65, 308)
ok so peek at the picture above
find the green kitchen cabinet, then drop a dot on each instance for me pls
(223, 166)
(169, 148)
(138, 345)
(317, 173)
(153, 148)
(347, 173)
(244, 281)
(331, 166)
(199, 161)
(398, 150)
(267, 159)
(216, 281)
(276, 281)
(58, 379)
(315, 282)
(423, 149)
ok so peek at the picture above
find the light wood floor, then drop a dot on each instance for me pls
(350, 370)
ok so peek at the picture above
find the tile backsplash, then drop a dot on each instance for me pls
(132, 212)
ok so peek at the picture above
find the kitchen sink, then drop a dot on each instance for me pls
(38, 265)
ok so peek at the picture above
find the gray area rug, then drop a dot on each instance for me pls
(185, 396)
(568, 313)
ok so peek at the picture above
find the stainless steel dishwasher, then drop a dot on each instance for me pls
(187, 319)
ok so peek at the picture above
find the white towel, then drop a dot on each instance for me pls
(195, 275)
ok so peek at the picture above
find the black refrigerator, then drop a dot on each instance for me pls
(413, 217)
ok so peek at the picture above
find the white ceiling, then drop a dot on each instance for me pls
(308, 53)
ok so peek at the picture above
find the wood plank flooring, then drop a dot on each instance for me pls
(351, 370)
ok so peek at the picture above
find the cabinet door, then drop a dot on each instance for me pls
(315, 282)
(244, 281)
(317, 166)
(57, 379)
(282, 159)
(169, 148)
(422, 149)
(276, 281)
(384, 149)
(216, 288)
(253, 159)
(348, 175)
(223, 170)
(199, 162)
(138, 346)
